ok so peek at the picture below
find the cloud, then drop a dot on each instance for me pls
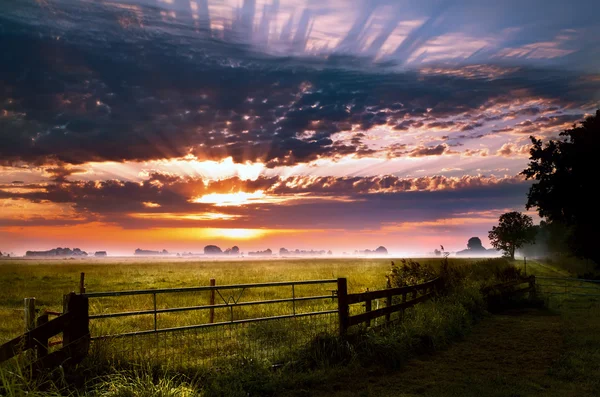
(272, 202)
(67, 100)
(429, 151)
(512, 150)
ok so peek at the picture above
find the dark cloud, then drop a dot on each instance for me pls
(559, 120)
(60, 172)
(115, 94)
(429, 151)
(469, 127)
(441, 125)
(326, 202)
(543, 123)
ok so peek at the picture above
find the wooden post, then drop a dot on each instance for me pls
(403, 301)
(29, 320)
(42, 344)
(532, 291)
(82, 283)
(212, 301)
(29, 314)
(343, 310)
(77, 333)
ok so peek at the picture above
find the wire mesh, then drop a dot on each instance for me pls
(188, 338)
(558, 291)
(274, 341)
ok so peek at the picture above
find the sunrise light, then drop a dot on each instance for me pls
(209, 190)
(231, 199)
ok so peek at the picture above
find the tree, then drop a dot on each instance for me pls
(514, 229)
(381, 250)
(212, 250)
(474, 243)
(565, 171)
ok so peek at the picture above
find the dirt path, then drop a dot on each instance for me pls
(505, 355)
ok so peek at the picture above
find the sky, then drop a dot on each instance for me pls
(333, 124)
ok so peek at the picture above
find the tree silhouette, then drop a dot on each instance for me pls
(514, 229)
(474, 243)
(565, 171)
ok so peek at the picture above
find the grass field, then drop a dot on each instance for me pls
(49, 280)
(574, 357)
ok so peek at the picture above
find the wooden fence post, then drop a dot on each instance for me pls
(77, 333)
(29, 314)
(212, 301)
(343, 311)
(82, 283)
(29, 319)
(532, 291)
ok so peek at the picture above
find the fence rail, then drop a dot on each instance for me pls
(210, 325)
(205, 288)
(207, 307)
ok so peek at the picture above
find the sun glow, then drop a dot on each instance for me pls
(242, 234)
(205, 216)
(231, 199)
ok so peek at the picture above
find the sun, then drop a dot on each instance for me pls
(231, 199)
(241, 234)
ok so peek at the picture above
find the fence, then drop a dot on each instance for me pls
(230, 303)
(245, 322)
(72, 323)
(193, 333)
(569, 286)
(345, 300)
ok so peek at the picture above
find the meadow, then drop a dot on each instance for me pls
(319, 357)
(48, 280)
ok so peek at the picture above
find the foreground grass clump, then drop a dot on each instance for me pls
(143, 384)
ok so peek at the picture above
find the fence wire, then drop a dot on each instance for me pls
(557, 291)
(274, 341)
(187, 327)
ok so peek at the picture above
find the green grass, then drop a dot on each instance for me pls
(49, 280)
(563, 347)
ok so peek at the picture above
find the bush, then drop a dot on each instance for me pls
(409, 272)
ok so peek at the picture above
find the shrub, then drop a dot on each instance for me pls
(409, 272)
